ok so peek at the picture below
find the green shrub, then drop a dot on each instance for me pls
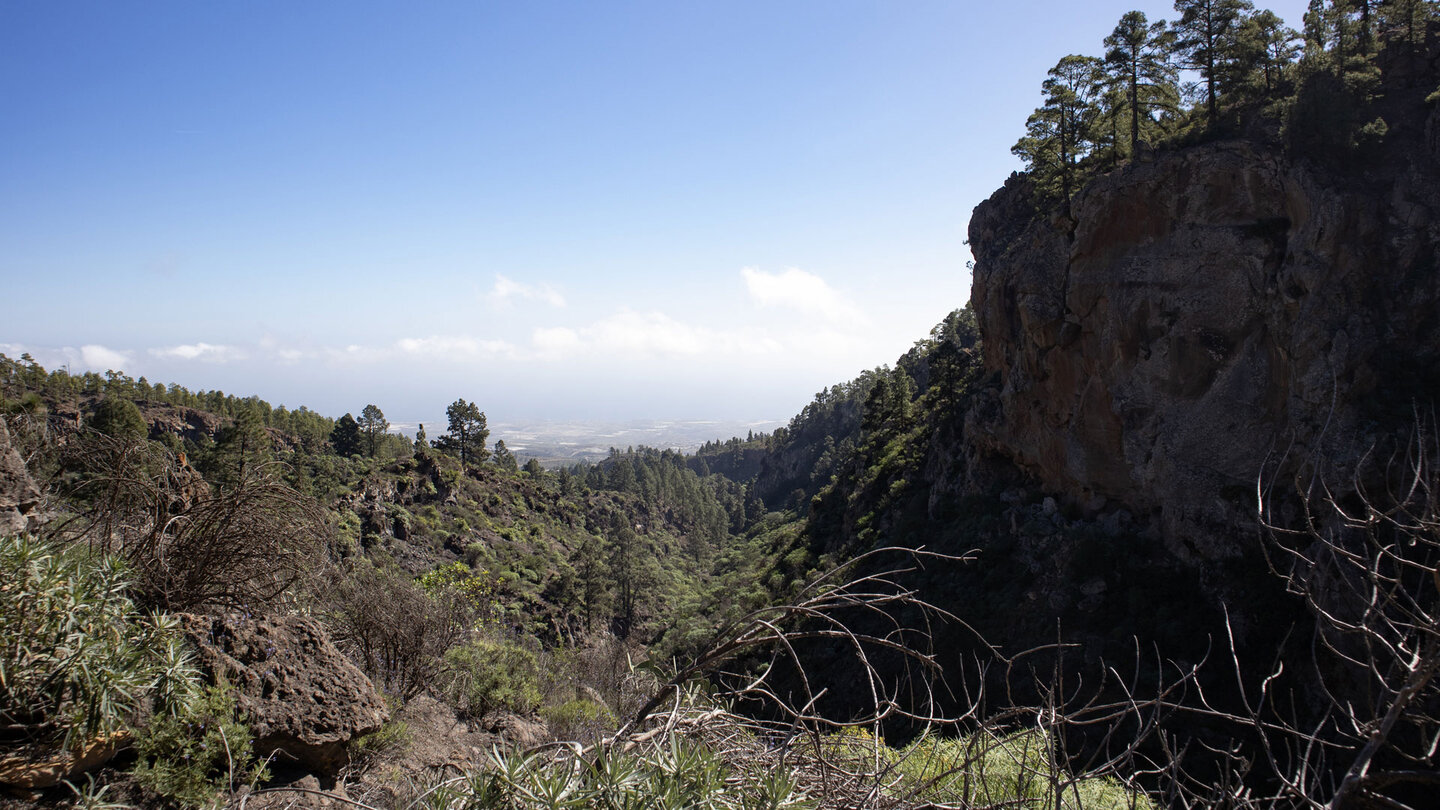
(989, 770)
(580, 720)
(984, 769)
(400, 516)
(391, 738)
(458, 583)
(1372, 133)
(347, 529)
(77, 660)
(196, 756)
(482, 676)
(671, 776)
(477, 555)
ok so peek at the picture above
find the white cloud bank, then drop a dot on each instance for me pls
(204, 352)
(447, 347)
(629, 334)
(798, 290)
(90, 357)
(100, 358)
(506, 291)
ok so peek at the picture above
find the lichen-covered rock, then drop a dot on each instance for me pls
(1198, 314)
(18, 494)
(304, 699)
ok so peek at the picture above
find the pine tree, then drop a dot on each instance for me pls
(1266, 48)
(240, 446)
(593, 574)
(1317, 34)
(120, 419)
(633, 572)
(1403, 25)
(1138, 61)
(1339, 35)
(1365, 28)
(504, 458)
(373, 426)
(1059, 133)
(346, 438)
(467, 435)
(622, 475)
(1206, 41)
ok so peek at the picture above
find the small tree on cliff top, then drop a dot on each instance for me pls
(1138, 61)
(1058, 134)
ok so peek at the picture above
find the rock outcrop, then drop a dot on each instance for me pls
(190, 424)
(1197, 316)
(305, 700)
(19, 496)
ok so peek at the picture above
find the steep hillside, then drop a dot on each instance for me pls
(625, 546)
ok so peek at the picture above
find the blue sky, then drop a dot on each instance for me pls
(555, 209)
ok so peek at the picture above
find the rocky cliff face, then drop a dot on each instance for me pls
(1198, 315)
(19, 497)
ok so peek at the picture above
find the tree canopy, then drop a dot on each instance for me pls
(504, 458)
(119, 418)
(1060, 132)
(1138, 61)
(1206, 41)
(467, 434)
(1097, 112)
(345, 438)
(373, 426)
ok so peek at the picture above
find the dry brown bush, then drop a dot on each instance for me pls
(188, 546)
(394, 629)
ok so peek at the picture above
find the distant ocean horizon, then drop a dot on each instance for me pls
(587, 440)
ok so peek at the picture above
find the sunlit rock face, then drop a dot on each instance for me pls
(1198, 316)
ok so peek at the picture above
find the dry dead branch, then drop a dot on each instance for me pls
(1365, 559)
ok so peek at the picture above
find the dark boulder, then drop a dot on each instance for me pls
(304, 699)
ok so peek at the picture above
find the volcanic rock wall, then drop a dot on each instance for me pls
(1201, 314)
